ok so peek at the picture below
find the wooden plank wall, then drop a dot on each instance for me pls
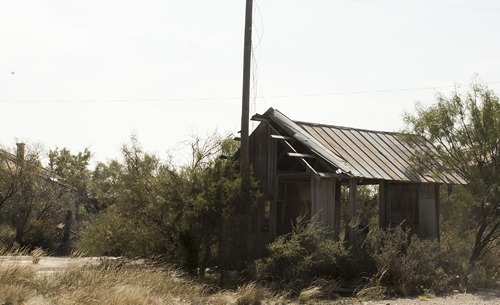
(263, 159)
(323, 203)
(415, 204)
(428, 218)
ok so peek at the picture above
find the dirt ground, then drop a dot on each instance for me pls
(48, 264)
(481, 297)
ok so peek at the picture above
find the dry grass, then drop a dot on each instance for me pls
(250, 294)
(94, 285)
(372, 293)
(15, 282)
(117, 284)
(309, 295)
(123, 285)
(14, 251)
(97, 285)
(36, 255)
(142, 284)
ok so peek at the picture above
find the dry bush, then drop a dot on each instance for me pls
(309, 295)
(303, 255)
(7, 236)
(372, 293)
(15, 283)
(15, 250)
(405, 264)
(36, 255)
(121, 285)
(11, 273)
(250, 294)
(14, 294)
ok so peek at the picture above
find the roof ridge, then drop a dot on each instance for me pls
(347, 127)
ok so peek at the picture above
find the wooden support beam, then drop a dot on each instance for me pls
(260, 118)
(337, 203)
(353, 190)
(438, 202)
(280, 137)
(301, 159)
(300, 155)
(382, 207)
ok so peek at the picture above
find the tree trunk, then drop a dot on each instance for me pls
(478, 242)
(66, 239)
(20, 222)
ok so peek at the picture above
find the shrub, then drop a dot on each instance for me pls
(250, 294)
(308, 295)
(405, 264)
(7, 236)
(308, 252)
(36, 255)
(460, 274)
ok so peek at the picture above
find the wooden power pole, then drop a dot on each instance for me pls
(245, 116)
(244, 208)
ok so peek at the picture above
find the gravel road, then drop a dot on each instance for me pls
(48, 264)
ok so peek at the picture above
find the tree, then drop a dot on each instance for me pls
(11, 175)
(72, 168)
(465, 132)
(150, 207)
(33, 202)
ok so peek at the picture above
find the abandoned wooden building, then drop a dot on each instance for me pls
(301, 167)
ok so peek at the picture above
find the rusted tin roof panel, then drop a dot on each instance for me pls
(365, 154)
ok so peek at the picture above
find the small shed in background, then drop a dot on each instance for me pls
(301, 167)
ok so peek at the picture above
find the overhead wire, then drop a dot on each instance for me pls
(255, 89)
(255, 62)
(428, 5)
(237, 98)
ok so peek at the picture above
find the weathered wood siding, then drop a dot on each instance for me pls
(324, 201)
(402, 205)
(415, 204)
(263, 159)
(294, 201)
(428, 211)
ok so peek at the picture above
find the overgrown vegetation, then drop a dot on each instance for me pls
(143, 206)
(33, 203)
(404, 263)
(152, 208)
(463, 128)
(307, 253)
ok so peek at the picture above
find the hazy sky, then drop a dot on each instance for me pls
(90, 73)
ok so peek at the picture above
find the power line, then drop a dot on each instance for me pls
(429, 5)
(208, 99)
(370, 91)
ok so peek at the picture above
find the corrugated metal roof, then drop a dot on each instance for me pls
(360, 153)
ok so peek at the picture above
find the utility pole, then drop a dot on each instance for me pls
(244, 208)
(245, 116)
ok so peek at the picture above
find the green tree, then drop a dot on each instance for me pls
(11, 175)
(127, 192)
(150, 207)
(464, 130)
(73, 168)
(212, 188)
(36, 201)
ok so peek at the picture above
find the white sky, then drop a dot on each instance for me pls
(90, 73)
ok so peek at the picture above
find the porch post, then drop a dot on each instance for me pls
(353, 189)
(382, 208)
